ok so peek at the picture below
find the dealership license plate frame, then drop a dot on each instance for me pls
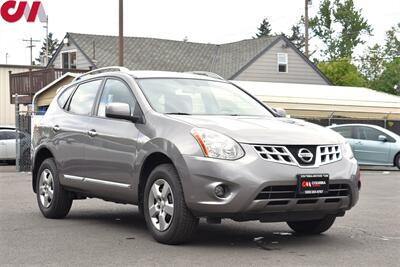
(311, 184)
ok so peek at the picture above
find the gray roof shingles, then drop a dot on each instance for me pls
(158, 54)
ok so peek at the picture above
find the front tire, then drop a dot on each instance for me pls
(397, 160)
(313, 227)
(167, 217)
(54, 202)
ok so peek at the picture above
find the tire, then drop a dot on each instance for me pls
(179, 227)
(313, 227)
(397, 161)
(47, 183)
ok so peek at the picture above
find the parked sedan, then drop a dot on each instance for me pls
(8, 145)
(371, 144)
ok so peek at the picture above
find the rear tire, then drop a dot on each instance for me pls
(313, 227)
(397, 160)
(54, 202)
(167, 216)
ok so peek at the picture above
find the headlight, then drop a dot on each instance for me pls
(347, 151)
(216, 145)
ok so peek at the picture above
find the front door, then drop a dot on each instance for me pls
(368, 149)
(111, 154)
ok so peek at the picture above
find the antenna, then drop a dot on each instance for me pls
(31, 46)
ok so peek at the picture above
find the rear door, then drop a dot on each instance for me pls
(111, 153)
(3, 145)
(7, 144)
(71, 130)
(368, 149)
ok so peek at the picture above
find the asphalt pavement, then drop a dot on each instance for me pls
(99, 233)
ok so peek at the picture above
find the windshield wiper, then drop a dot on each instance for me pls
(177, 113)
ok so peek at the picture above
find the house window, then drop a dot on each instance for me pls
(282, 62)
(68, 60)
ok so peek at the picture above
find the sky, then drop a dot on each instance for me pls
(206, 21)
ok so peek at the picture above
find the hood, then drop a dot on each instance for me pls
(262, 130)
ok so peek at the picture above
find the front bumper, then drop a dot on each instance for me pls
(247, 177)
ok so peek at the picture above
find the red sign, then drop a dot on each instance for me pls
(12, 11)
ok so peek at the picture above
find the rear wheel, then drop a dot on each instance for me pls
(312, 227)
(167, 217)
(54, 202)
(397, 160)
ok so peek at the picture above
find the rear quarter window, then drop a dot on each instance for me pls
(63, 98)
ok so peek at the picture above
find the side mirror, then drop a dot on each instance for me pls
(120, 111)
(382, 138)
(280, 112)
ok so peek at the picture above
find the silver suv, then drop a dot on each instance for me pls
(183, 146)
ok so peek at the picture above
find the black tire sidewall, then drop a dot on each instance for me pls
(397, 160)
(164, 172)
(50, 165)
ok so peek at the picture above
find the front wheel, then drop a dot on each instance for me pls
(167, 217)
(313, 227)
(54, 202)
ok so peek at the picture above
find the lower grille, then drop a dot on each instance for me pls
(290, 192)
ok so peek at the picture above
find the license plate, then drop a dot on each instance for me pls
(312, 183)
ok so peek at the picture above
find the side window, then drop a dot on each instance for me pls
(83, 99)
(62, 99)
(367, 133)
(115, 91)
(345, 131)
(7, 135)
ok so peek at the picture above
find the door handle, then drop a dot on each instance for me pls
(56, 128)
(92, 133)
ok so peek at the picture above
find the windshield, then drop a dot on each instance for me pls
(199, 97)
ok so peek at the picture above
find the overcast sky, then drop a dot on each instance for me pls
(208, 21)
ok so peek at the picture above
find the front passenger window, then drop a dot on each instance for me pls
(83, 99)
(115, 91)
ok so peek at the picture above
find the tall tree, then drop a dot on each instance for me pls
(372, 61)
(341, 27)
(53, 44)
(264, 29)
(392, 42)
(297, 36)
(389, 81)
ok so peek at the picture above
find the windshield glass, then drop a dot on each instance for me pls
(199, 97)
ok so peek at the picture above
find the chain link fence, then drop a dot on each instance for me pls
(23, 153)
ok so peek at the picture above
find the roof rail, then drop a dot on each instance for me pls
(206, 73)
(101, 70)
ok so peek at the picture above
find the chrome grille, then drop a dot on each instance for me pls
(276, 154)
(329, 154)
(323, 154)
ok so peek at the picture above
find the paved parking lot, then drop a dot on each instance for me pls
(101, 233)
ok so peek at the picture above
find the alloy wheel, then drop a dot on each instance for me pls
(46, 188)
(161, 205)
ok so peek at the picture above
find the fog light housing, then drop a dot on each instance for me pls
(220, 191)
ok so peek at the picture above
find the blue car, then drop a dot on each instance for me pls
(371, 144)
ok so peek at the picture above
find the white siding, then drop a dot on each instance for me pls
(81, 60)
(7, 111)
(265, 69)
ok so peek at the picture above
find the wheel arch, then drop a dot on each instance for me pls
(394, 159)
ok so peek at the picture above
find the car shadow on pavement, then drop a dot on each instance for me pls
(227, 234)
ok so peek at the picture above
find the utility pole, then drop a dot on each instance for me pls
(121, 34)
(46, 56)
(306, 27)
(31, 46)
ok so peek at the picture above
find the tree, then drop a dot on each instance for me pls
(342, 72)
(53, 44)
(392, 42)
(341, 27)
(389, 81)
(264, 30)
(297, 36)
(371, 63)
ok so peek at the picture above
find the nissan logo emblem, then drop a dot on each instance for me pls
(305, 155)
